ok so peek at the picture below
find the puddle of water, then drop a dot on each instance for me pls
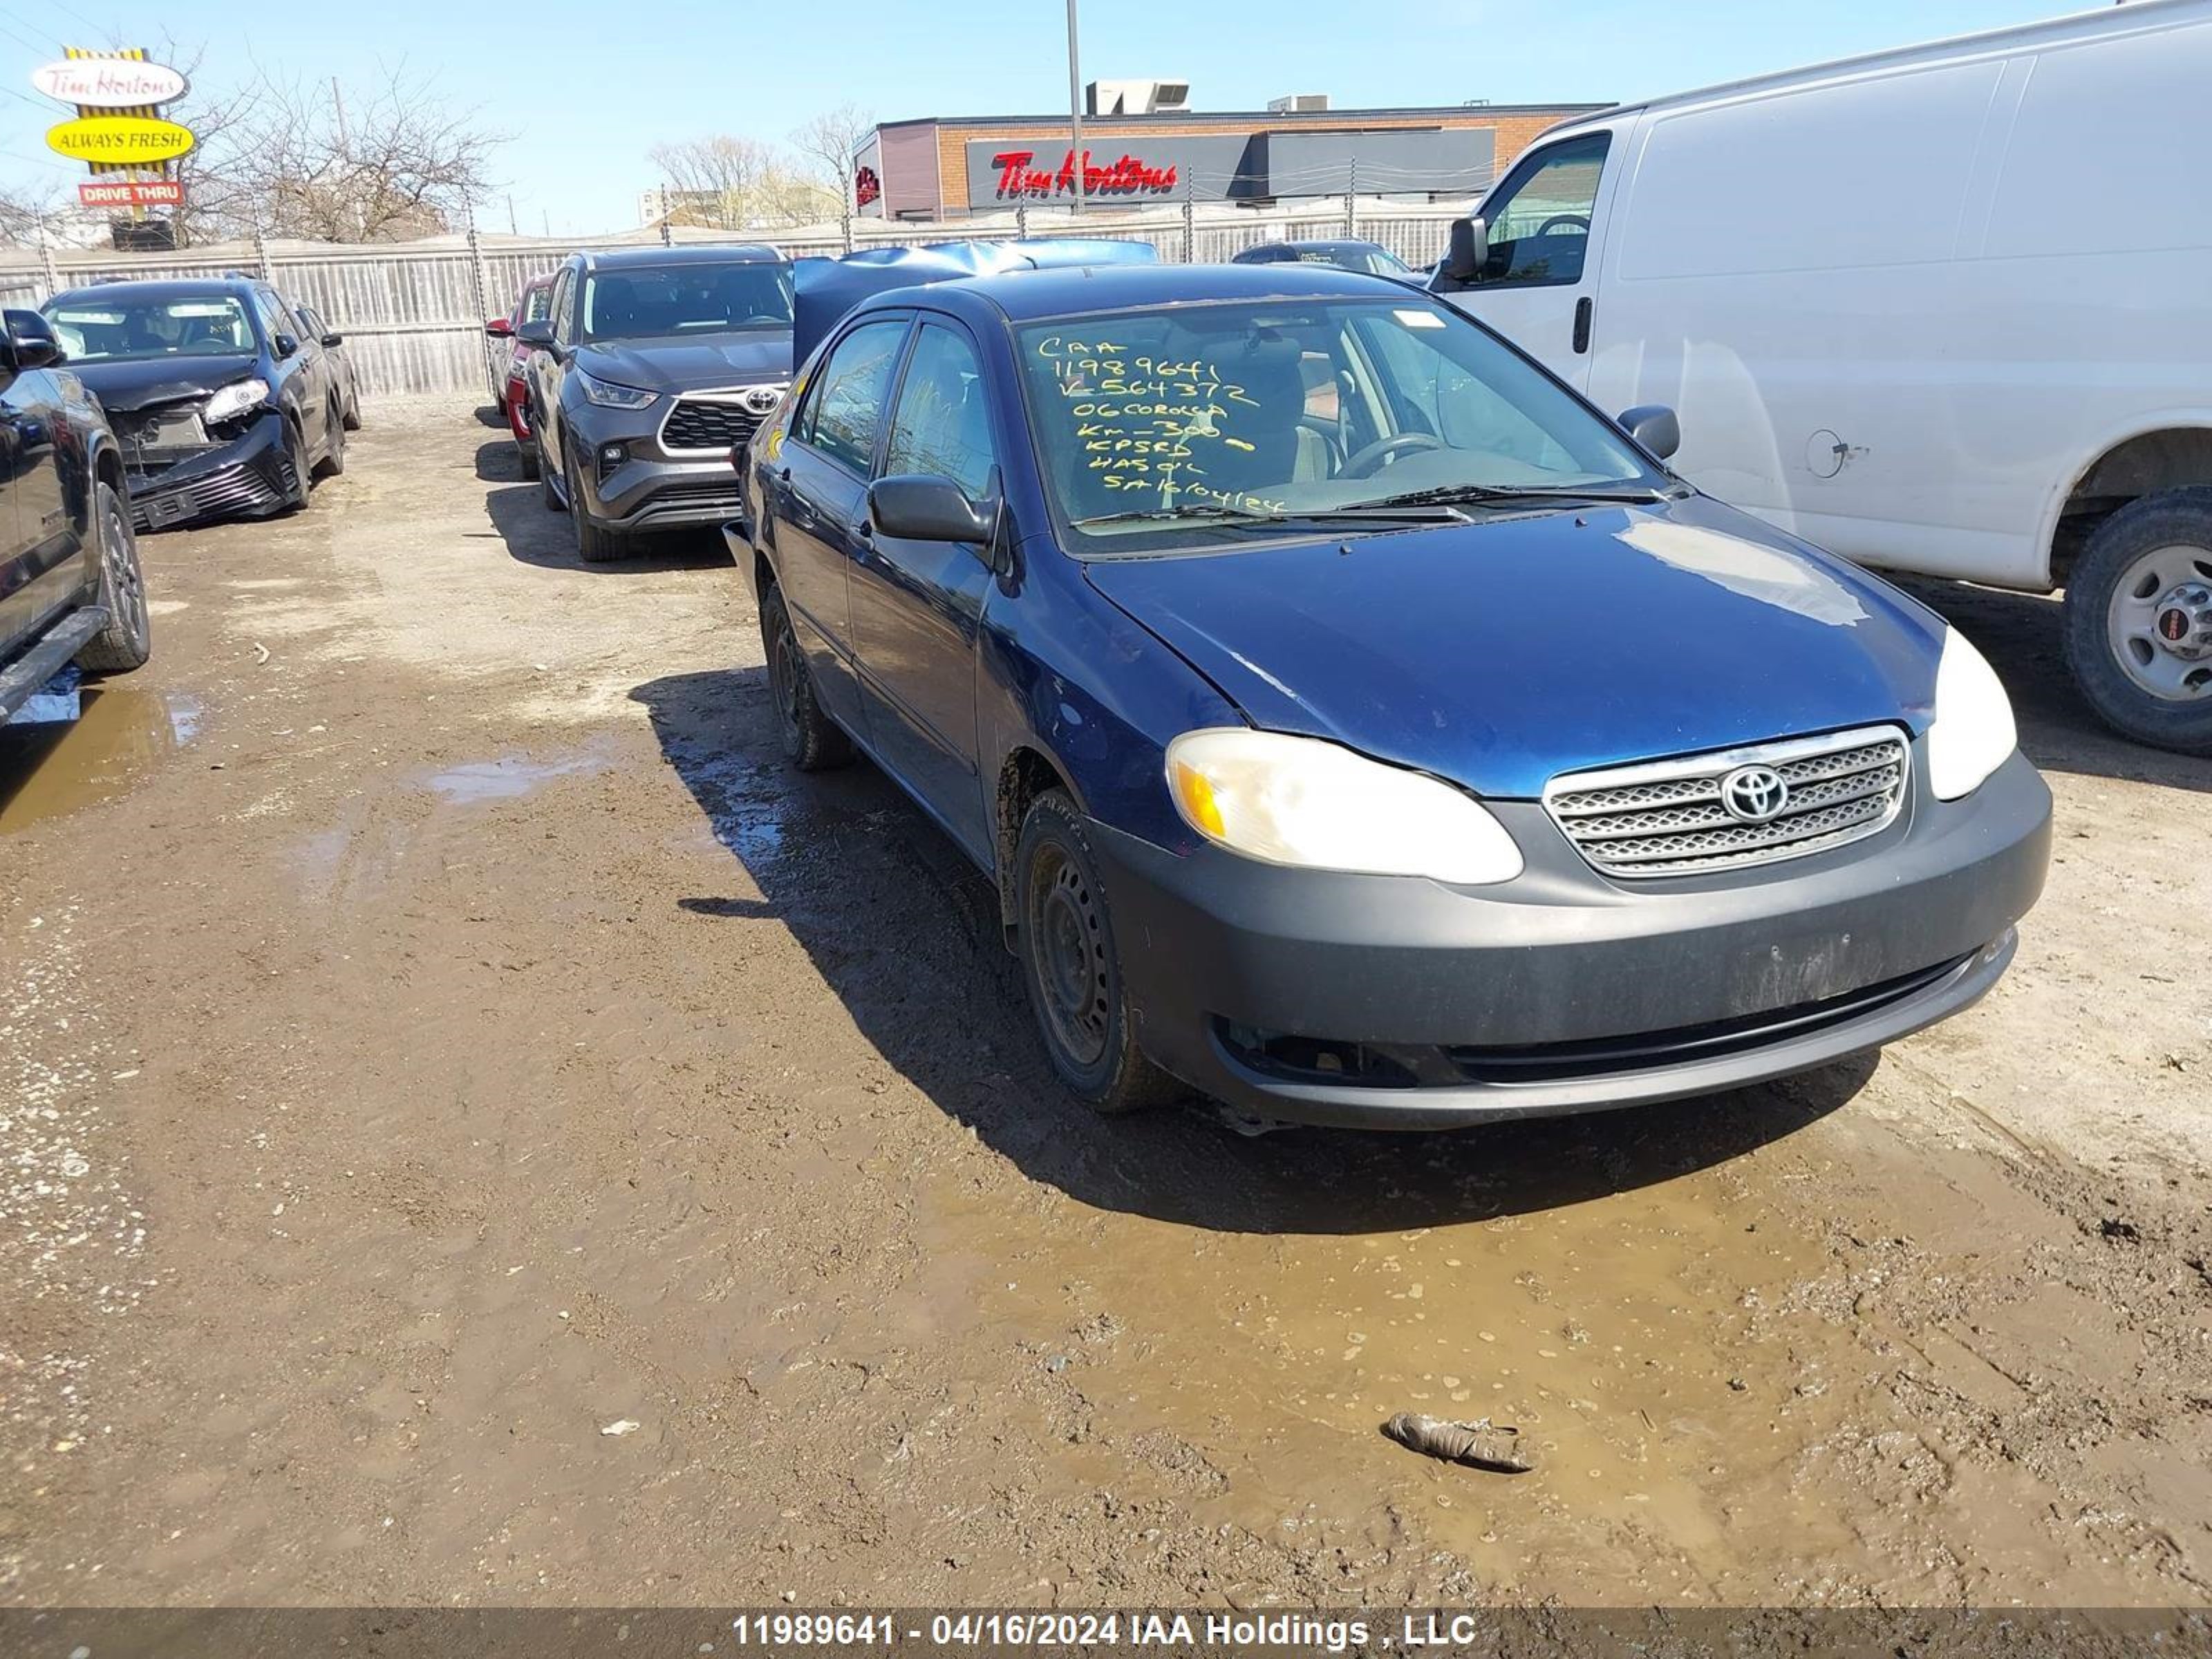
(50, 769)
(509, 777)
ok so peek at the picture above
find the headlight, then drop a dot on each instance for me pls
(1973, 732)
(1305, 802)
(607, 395)
(236, 399)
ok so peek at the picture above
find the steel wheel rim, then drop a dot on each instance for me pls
(1068, 957)
(126, 585)
(783, 680)
(2154, 585)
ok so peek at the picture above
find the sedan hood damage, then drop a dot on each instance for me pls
(1503, 652)
(134, 383)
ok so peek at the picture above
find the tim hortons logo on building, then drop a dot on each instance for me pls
(1127, 177)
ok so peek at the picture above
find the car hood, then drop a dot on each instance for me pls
(124, 386)
(1500, 653)
(696, 363)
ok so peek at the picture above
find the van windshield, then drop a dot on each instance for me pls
(100, 331)
(1160, 423)
(687, 299)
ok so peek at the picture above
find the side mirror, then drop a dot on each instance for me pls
(32, 337)
(333, 339)
(499, 328)
(286, 345)
(921, 507)
(1467, 250)
(538, 336)
(1654, 426)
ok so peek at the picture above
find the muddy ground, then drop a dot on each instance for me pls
(457, 1035)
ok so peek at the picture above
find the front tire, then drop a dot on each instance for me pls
(2139, 620)
(595, 543)
(128, 639)
(549, 493)
(295, 452)
(1073, 967)
(811, 741)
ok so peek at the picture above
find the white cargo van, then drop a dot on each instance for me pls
(1946, 309)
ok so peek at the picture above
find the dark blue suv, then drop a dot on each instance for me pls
(1360, 727)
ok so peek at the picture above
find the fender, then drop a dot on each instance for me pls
(2194, 417)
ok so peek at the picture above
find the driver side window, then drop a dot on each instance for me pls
(1539, 223)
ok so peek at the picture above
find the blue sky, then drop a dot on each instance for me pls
(586, 88)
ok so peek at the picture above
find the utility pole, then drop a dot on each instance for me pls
(1074, 106)
(338, 103)
(511, 230)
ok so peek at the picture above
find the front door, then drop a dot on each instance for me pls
(1539, 283)
(917, 605)
(819, 488)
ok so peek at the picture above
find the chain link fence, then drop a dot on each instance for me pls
(413, 315)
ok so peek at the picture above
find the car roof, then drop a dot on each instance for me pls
(1076, 290)
(163, 288)
(1334, 243)
(728, 254)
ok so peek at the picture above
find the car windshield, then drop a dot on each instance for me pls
(1373, 261)
(1159, 427)
(96, 328)
(686, 298)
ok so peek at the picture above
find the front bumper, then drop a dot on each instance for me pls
(250, 477)
(1388, 1002)
(651, 487)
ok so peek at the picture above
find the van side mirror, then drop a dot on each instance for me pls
(921, 507)
(32, 336)
(1467, 250)
(499, 328)
(1654, 426)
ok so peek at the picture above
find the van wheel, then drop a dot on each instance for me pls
(351, 419)
(811, 741)
(2139, 620)
(334, 456)
(303, 476)
(128, 639)
(1071, 966)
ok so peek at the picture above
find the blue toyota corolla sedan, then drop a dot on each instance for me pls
(1361, 728)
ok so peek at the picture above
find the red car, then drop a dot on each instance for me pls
(508, 386)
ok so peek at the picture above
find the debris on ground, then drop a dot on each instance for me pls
(621, 1425)
(1480, 1444)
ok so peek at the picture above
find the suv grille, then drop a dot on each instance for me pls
(1667, 818)
(707, 423)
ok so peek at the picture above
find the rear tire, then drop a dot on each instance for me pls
(334, 458)
(811, 741)
(2145, 569)
(1073, 967)
(128, 639)
(351, 419)
(595, 543)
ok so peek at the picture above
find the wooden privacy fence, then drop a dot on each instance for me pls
(413, 314)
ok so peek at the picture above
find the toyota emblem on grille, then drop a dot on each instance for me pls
(762, 399)
(1754, 794)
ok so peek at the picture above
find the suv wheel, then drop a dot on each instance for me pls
(128, 639)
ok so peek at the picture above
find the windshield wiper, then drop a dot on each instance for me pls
(1474, 493)
(1391, 511)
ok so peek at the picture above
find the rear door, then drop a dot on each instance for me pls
(1539, 285)
(917, 606)
(818, 485)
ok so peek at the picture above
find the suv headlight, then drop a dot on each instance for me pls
(1317, 805)
(1973, 732)
(609, 395)
(236, 399)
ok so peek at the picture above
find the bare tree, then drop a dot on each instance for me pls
(726, 182)
(23, 214)
(828, 142)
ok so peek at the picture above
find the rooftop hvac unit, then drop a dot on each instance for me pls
(1297, 103)
(1137, 97)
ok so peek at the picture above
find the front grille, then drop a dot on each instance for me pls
(707, 423)
(1666, 819)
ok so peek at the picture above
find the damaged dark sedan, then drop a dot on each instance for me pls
(222, 404)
